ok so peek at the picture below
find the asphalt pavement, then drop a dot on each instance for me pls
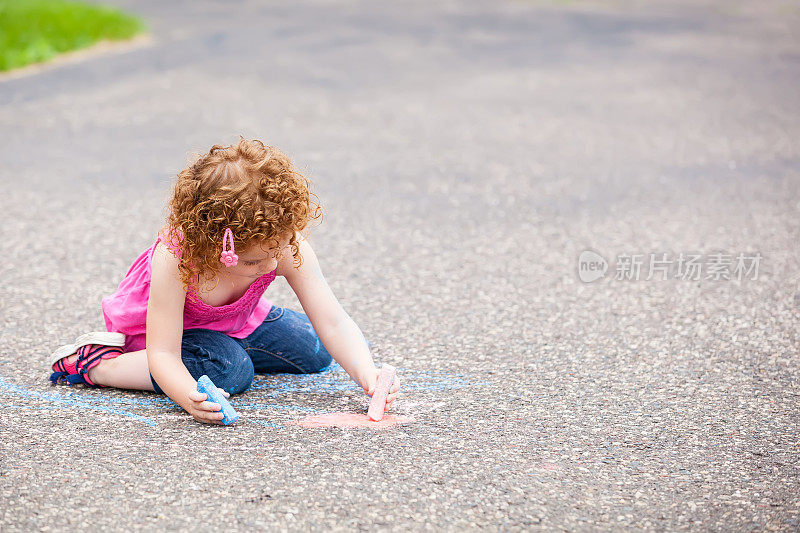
(466, 154)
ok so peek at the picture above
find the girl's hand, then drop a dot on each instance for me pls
(203, 411)
(372, 382)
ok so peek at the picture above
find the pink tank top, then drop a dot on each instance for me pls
(125, 311)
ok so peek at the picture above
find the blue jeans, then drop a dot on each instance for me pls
(284, 342)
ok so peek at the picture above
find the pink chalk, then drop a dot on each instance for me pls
(378, 402)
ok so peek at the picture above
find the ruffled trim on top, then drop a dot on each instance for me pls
(249, 299)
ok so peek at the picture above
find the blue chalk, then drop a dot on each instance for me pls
(204, 384)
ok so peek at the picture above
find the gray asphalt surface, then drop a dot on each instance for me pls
(465, 153)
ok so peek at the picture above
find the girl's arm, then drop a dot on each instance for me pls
(164, 336)
(337, 331)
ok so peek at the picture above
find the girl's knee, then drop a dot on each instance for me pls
(319, 361)
(219, 357)
(307, 343)
(237, 375)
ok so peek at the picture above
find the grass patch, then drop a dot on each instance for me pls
(32, 31)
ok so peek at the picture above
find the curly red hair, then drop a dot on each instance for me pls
(251, 188)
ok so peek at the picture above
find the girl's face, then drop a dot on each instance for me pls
(258, 260)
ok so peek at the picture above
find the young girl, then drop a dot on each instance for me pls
(191, 303)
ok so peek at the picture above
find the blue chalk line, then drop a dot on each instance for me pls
(73, 402)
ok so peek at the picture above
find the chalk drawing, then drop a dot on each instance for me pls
(350, 420)
(264, 423)
(149, 406)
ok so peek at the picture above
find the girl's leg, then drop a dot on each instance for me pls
(286, 342)
(126, 371)
(217, 355)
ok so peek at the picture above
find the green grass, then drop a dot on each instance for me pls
(32, 31)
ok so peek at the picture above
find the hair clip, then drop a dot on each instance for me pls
(228, 257)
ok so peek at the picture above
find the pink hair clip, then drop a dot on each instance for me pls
(228, 257)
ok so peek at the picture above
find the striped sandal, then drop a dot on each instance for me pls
(90, 348)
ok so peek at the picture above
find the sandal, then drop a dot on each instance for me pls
(91, 348)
